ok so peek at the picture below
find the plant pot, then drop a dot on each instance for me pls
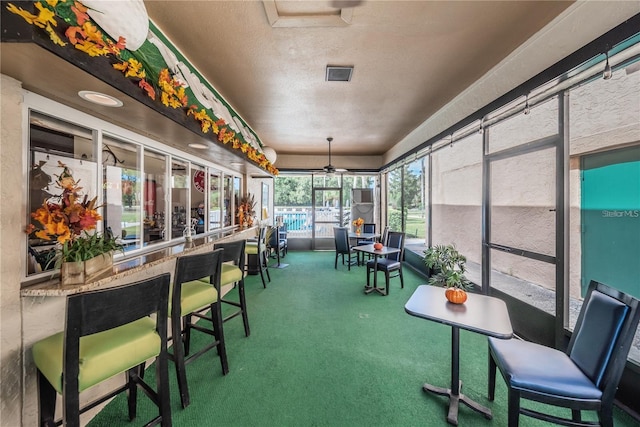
(456, 295)
(80, 272)
(72, 273)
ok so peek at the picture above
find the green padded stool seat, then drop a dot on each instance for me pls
(196, 295)
(102, 355)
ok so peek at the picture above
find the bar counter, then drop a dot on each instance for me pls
(161, 260)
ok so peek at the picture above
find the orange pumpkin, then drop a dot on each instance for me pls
(377, 246)
(456, 295)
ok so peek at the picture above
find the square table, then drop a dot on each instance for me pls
(358, 237)
(369, 249)
(480, 313)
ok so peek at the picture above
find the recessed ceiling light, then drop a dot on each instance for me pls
(198, 145)
(100, 98)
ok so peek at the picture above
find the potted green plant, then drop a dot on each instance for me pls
(446, 268)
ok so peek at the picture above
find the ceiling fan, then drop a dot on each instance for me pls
(330, 169)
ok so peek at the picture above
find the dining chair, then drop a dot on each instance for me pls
(341, 239)
(275, 245)
(232, 273)
(284, 238)
(585, 377)
(191, 296)
(391, 264)
(257, 253)
(107, 332)
(366, 228)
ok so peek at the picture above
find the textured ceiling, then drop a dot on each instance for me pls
(410, 58)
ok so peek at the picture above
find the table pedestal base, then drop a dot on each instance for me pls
(454, 402)
(369, 289)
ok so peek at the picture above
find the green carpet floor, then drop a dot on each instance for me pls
(322, 353)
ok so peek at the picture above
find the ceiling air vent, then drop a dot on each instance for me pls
(339, 74)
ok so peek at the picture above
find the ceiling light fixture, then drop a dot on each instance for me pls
(198, 145)
(607, 74)
(100, 98)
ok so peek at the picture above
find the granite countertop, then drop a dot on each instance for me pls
(129, 267)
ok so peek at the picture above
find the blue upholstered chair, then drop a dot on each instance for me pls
(391, 265)
(107, 332)
(341, 239)
(585, 377)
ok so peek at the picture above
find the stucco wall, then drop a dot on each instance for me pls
(12, 178)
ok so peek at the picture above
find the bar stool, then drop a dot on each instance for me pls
(107, 332)
(192, 297)
(258, 251)
(233, 274)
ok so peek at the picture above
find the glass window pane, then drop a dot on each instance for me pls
(526, 279)
(541, 122)
(52, 142)
(155, 187)
(227, 197)
(179, 197)
(198, 189)
(292, 197)
(122, 191)
(457, 197)
(214, 200)
(523, 202)
(414, 202)
(394, 200)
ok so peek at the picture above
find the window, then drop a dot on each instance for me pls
(51, 142)
(155, 197)
(122, 182)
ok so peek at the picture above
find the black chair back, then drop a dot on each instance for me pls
(233, 251)
(274, 237)
(368, 228)
(395, 239)
(96, 311)
(603, 335)
(194, 267)
(341, 237)
(385, 235)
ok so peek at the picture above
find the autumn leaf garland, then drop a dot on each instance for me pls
(86, 37)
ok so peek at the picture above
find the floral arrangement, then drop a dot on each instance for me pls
(77, 28)
(67, 219)
(246, 210)
(358, 222)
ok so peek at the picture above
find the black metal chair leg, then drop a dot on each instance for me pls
(162, 389)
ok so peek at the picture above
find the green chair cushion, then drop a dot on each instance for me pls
(102, 355)
(196, 295)
(230, 274)
(251, 248)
